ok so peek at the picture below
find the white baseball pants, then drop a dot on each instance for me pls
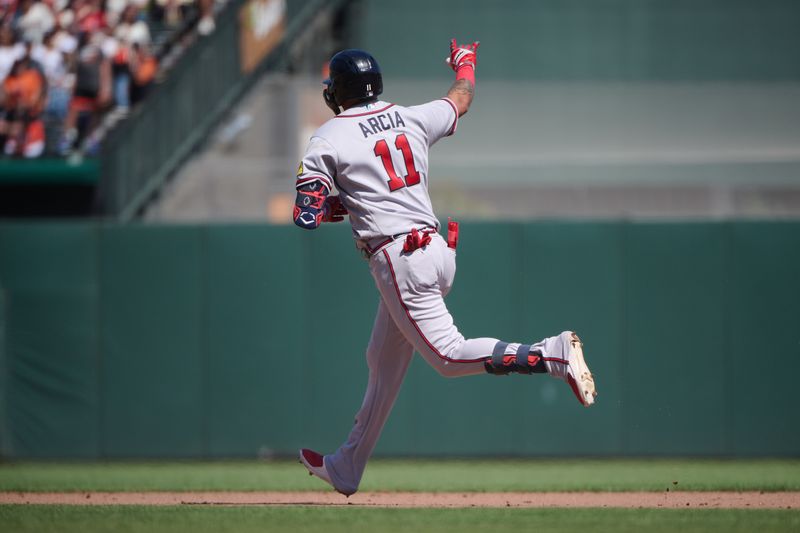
(411, 316)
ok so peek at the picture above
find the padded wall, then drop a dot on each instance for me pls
(235, 340)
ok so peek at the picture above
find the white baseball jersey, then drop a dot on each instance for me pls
(377, 156)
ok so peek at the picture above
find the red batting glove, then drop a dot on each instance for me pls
(333, 210)
(463, 55)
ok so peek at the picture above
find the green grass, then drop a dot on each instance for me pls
(411, 475)
(85, 519)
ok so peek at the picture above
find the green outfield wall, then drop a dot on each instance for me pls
(614, 40)
(210, 341)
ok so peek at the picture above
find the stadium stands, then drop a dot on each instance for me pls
(67, 65)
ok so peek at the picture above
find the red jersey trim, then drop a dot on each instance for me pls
(419, 331)
(323, 179)
(365, 114)
(455, 111)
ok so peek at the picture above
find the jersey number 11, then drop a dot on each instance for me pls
(382, 151)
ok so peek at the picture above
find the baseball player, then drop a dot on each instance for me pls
(376, 155)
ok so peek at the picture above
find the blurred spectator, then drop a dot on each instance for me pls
(143, 71)
(89, 15)
(53, 62)
(92, 91)
(35, 18)
(131, 27)
(130, 32)
(64, 39)
(25, 94)
(172, 12)
(114, 9)
(10, 50)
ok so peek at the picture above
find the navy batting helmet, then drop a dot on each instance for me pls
(354, 75)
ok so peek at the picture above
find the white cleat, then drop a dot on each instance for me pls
(315, 463)
(578, 376)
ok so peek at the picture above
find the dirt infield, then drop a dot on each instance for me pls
(673, 500)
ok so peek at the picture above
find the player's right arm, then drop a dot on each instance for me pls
(463, 60)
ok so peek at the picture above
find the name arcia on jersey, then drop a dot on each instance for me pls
(382, 122)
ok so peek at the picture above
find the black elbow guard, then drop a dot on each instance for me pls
(308, 211)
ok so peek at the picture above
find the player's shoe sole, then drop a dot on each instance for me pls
(579, 377)
(315, 463)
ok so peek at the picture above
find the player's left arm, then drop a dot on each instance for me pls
(463, 60)
(314, 204)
